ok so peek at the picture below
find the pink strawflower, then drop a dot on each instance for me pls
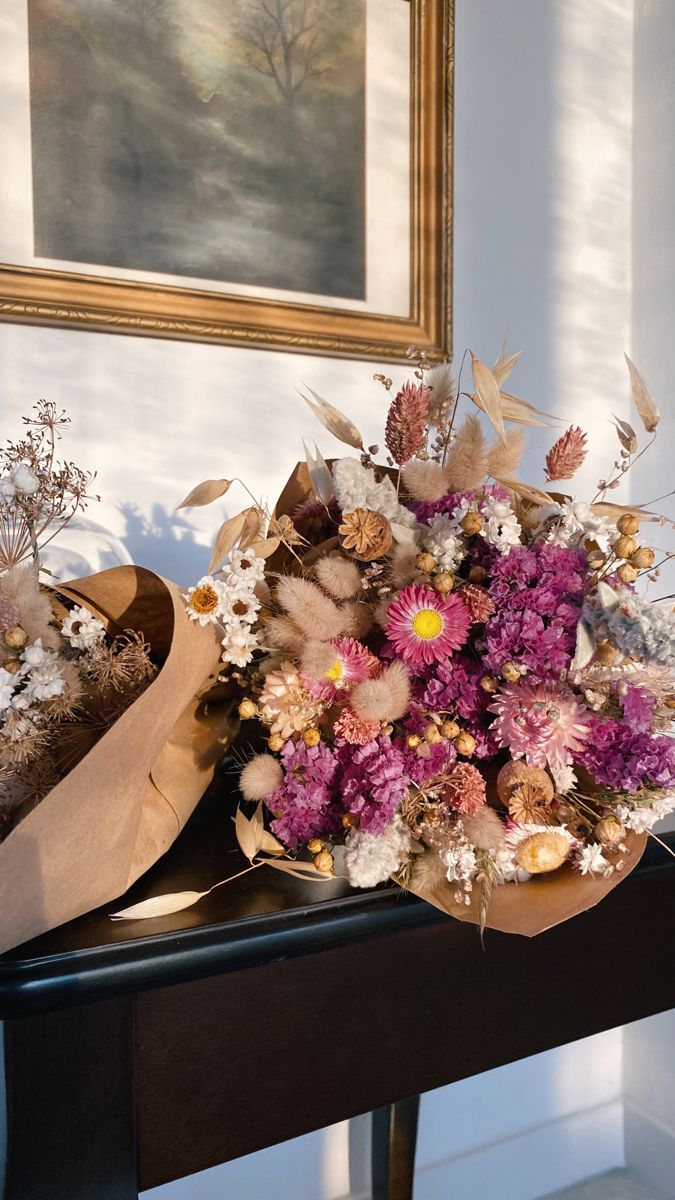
(465, 789)
(478, 602)
(567, 455)
(544, 725)
(352, 664)
(353, 729)
(406, 422)
(425, 627)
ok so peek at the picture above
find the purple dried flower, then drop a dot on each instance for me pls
(373, 782)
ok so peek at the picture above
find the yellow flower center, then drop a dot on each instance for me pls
(204, 599)
(334, 673)
(427, 624)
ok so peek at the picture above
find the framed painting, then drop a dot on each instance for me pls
(257, 172)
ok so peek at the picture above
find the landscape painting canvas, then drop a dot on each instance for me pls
(215, 139)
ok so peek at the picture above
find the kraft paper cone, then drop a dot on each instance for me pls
(124, 804)
(542, 901)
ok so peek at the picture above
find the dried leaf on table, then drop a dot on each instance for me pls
(249, 833)
(158, 906)
(206, 493)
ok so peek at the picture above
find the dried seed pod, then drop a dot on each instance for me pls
(247, 710)
(627, 574)
(472, 523)
(606, 653)
(643, 558)
(628, 523)
(275, 741)
(16, 637)
(624, 546)
(449, 730)
(432, 734)
(12, 666)
(488, 683)
(365, 534)
(477, 575)
(444, 582)
(315, 846)
(510, 672)
(425, 562)
(311, 737)
(323, 861)
(465, 744)
(610, 831)
(516, 774)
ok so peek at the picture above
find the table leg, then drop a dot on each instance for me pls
(393, 1153)
(70, 1104)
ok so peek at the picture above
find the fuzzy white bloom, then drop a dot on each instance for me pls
(570, 523)
(238, 645)
(83, 630)
(459, 861)
(509, 870)
(34, 656)
(444, 541)
(25, 480)
(501, 527)
(7, 490)
(641, 820)
(7, 685)
(357, 487)
(371, 858)
(563, 777)
(43, 679)
(591, 861)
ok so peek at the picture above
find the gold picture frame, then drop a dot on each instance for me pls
(86, 301)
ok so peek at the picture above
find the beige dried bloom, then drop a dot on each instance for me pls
(385, 698)
(284, 704)
(424, 480)
(338, 576)
(315, 614)
(260, 777)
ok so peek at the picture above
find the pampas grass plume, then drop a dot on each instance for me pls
(466, 465)
(260, 777)
(385, 698)
(339, 576)
(357, 619)
(424, 480)
(315, 614)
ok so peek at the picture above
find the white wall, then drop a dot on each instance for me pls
(542, 257)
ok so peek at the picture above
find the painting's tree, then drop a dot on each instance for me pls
(287, 41)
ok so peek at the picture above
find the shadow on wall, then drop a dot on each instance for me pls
(164, 543)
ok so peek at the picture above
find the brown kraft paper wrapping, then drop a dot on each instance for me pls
(124, 804)
(542, 901)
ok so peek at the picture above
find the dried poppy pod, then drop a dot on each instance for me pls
(516, 773)
(365, 534)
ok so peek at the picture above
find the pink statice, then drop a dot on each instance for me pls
(352, 728)
(465, 789)
(426, 510)
(538, 593)
(303, 803)
(453, 689)
(373, 782)
(625, 761)
(638, 709)
(544, 725)
(426, 763)
(352, 664)
(425, 627)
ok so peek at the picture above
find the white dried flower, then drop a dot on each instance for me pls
(591, 861)
(245, 566)
(83, 630)
(7, 490)
(7, 685)
(501, 528)
(459, 861)
(204, 600)
(564, 777)
(445, 542)
(357, 487)
(372, 858)
(239, 645)
(572, 522)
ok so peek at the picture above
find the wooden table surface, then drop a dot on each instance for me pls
(141, 1052)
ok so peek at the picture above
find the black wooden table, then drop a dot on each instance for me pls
(139, 1053)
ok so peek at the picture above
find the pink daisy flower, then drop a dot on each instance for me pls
(544, 725)
(352, 664)
(425, 627)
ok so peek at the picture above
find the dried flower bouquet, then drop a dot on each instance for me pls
(103, 748)
(461, 682)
